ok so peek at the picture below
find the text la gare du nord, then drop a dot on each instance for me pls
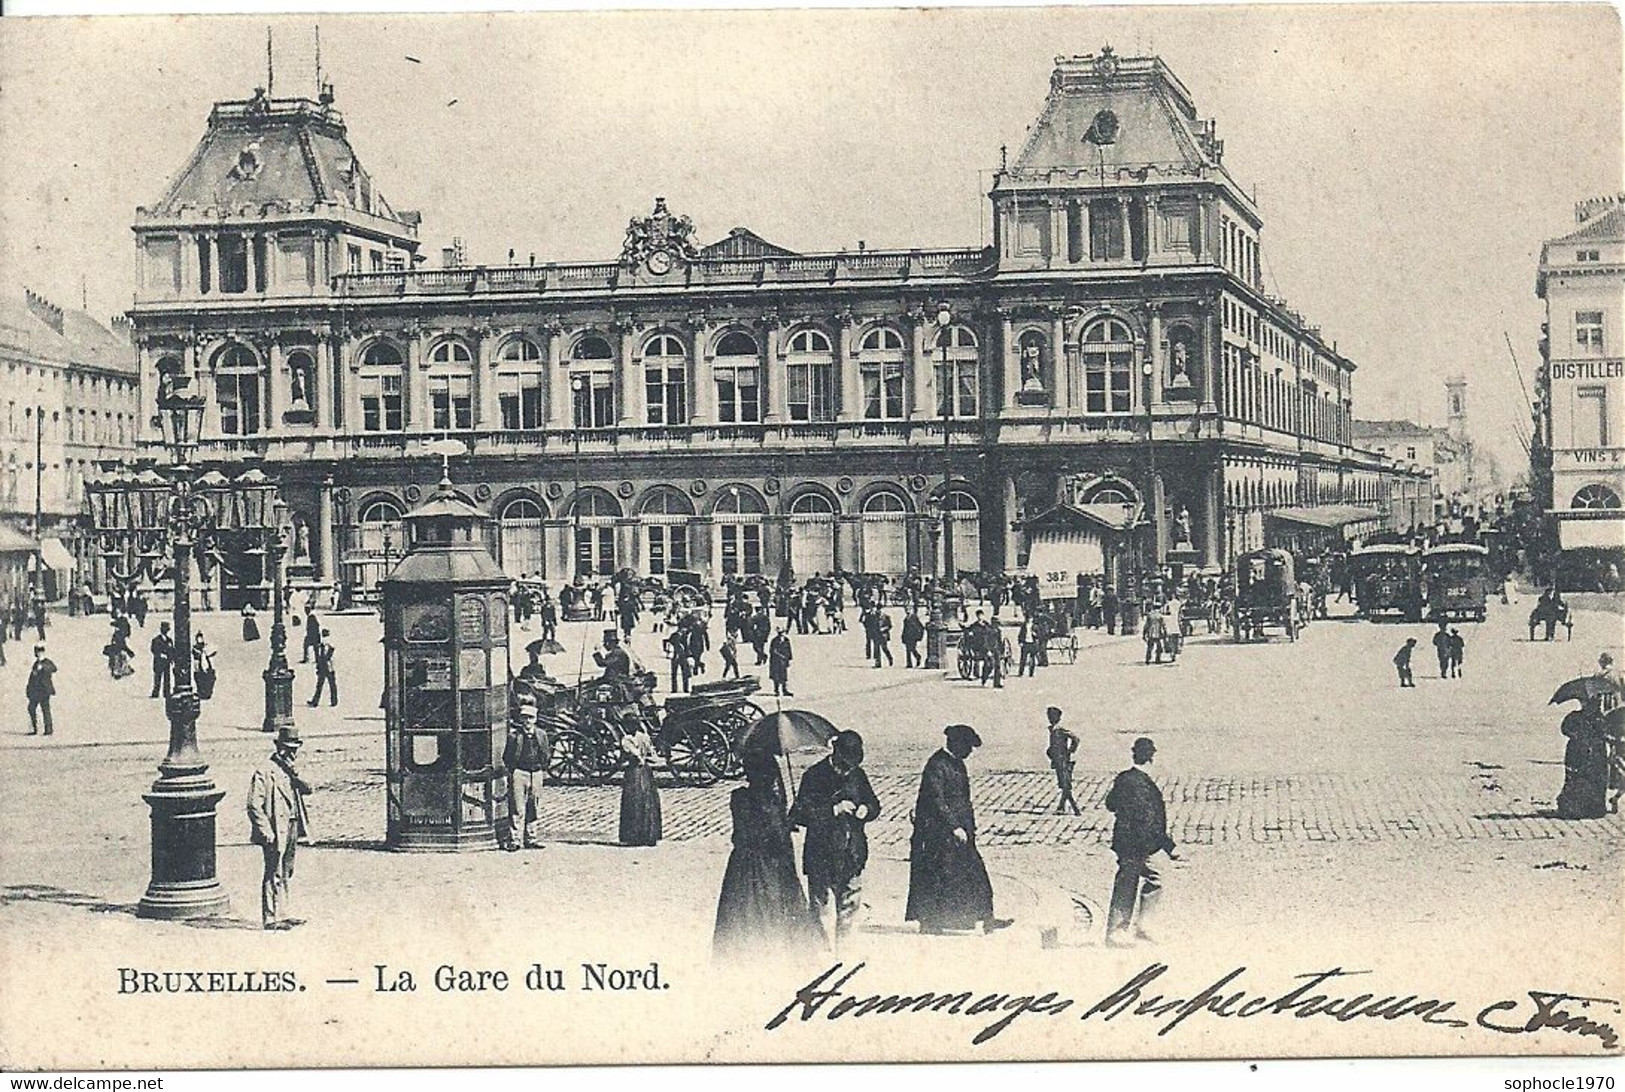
(446, 978)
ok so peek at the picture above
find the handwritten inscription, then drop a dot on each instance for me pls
(1324, 994)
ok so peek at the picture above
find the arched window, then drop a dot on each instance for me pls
(1595, 496)
(965, 522)
(380, 541)
(592, 383)
(379, 387)
(237, 390)
(809, 371)
(738, 516)
(519, 538)
(812, 534)
(665, 516)
(738, 377)
(1108, 367)
(519, 384)
(451, 386)
(957, 372)
(665, 373)
(880, 369)
(885, 533)
(301, 381)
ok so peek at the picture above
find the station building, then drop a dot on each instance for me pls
(1105, 386)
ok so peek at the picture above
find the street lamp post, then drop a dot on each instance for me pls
(936, 645)
(36, 592)
(580, 412)
(1153, 492)
(183, 799)
(278, 675)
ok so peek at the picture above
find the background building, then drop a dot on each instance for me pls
(1581, 390)
(70, 402)
(1107, 383)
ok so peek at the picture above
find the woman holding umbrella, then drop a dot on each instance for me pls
(762, 909)
(1590, 758)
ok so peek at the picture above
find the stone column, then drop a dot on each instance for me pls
(1212, 517)
(1011, 359)
(919, 407)
(772, 381)
(276, 396)
(629, 396)
(486, 412)
(1210, 358)
(269, 272)
(702, 396)
(191, 285)
(846, 362)
(1057, 340)
(352, 396)
(326, 394)
(327, 567)
(1009, 509)
(251, 267)
(214, 261)
(1057, 233)
(1154, 350)
(558, 379)
(416, 395)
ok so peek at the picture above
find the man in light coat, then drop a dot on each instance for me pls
(277, 821)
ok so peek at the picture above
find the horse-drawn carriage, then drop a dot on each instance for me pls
(975, 648)
(1266, 594)
(693, 733)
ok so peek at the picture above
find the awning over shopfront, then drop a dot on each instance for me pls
(1071, 540)
(13, 541)
(56, 555)
(1352, 521)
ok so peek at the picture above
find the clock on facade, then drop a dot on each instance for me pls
(659, 262)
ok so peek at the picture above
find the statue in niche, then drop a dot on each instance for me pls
(1179, 365)
(301, 539)
(1032, 363)
(299, 386)
(1182, 526)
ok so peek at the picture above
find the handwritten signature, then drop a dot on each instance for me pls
(1549, 1012)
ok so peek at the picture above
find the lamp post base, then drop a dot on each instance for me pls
(278, 697)
(184, 884)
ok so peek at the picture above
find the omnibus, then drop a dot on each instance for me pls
(1388, 581)
(1455, 578)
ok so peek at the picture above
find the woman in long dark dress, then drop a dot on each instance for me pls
(1585, 768)
(762, 909)
(640, 800)
(251, 626)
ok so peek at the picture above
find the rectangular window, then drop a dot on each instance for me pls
(741, 549)
(668, 547)
(739, 398)
(810, 391)
(451, 402)
(595, 551)
(233, 263)
(1136, 229)
(381, 403)
(1588, 331)
(666, 395)
(1105, 229)
(593, 405)
(1074, 232)
(1588, 255)
(377, 261)
(1591, 417)
(354, 265)
(519, 399)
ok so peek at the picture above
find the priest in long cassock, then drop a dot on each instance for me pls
(948, 887)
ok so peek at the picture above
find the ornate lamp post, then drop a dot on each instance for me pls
(580, 413)
(278, 675)
(936, 643)
(183, 798)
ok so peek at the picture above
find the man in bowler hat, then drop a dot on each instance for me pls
(1141, 832)
(277, 821)
(836, 801)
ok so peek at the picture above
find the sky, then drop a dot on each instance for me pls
(1408, 160)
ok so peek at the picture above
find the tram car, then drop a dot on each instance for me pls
(1388, 581)
(1456, 576)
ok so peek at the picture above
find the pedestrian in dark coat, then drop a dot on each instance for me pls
(913, 633)
(162, 647)
(760, 629)
(1402, 661)
(761, 910)
(1441, 649)
(948, 885)
(1063, 745)
(1108, 608)
(1458, 652)
(326, 672)
(883, 638)
(251, 625)
(834, 804)
(313, 634)
(1141, 831)
(779, 655)
(40, 689)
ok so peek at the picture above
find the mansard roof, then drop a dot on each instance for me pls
(1609, 226)
(272, 155)
(1156, 121)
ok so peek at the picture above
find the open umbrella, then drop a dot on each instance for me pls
(544, 647)
(1585, 689)
(786, 732)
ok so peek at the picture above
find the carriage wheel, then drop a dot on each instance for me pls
(713, 747)
(687, 756)
(573, 760)
(967, 663)
(730, 722)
